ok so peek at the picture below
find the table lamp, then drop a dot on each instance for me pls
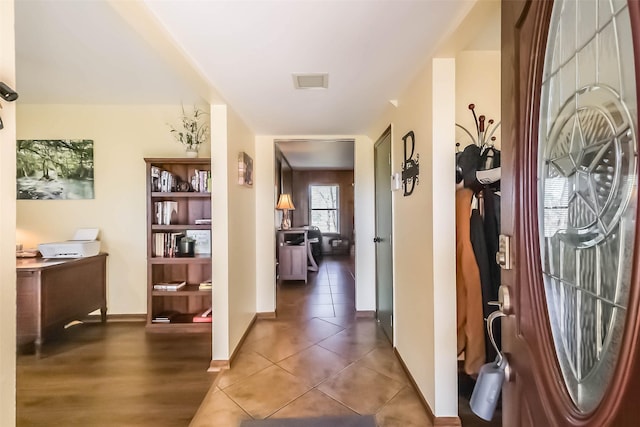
(285, 205)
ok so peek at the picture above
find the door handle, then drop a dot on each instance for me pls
(377, 239)
(504, 300)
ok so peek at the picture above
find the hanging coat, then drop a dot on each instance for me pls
(470, 321)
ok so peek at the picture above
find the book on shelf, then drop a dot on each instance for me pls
(172, 285)
(165, 212)
(168, 181)
(204, 317)
(205, 285)
(203, 221)
(203, 241)
(166, 244)
(165, 316)
(201, 181)
(155, 178)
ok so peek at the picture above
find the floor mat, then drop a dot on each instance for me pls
(346, 421)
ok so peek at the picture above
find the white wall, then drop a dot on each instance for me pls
(7, 221)
(265, 188)
(363, 213)
(220, 166)
(123, 136)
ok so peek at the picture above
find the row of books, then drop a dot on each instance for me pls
(162, 180)
(165, 181)
(166, 244)
(165, 212)
(201, 181)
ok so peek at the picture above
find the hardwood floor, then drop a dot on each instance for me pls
(114, 375)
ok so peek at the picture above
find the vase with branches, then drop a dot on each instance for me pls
(193, 132)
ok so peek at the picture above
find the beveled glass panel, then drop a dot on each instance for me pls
(587, 65)
(588, 270)
(587, 15)
(587, 191)
(627, 73)
(567, 86)
(618, 5)
(605, 12)
(588, 345)
(568, 29)
(608, 70)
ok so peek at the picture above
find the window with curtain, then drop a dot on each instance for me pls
(324, 207)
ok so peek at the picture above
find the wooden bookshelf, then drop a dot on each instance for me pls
(172, 209)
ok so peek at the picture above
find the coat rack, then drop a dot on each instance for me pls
(8, 95)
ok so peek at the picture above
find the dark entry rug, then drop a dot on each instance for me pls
(347, 421)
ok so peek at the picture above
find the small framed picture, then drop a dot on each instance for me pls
(203, 241)
(245, 169)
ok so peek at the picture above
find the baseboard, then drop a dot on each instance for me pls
(447, 422)
(221, 365)
(266, 315)
(369, 314)
(436, 421)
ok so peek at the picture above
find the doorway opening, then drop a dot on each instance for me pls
(315, 232)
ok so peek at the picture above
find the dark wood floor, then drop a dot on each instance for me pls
(114, 375)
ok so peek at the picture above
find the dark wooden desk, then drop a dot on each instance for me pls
(53, 292)
(295, 260)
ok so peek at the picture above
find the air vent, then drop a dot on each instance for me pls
(311, 81)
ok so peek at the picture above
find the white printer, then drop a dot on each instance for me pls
(83, 244)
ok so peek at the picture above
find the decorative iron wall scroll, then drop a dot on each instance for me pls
(410, 166)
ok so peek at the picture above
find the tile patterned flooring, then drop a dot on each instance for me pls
(317, 358)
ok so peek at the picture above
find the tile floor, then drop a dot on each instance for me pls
(317, 358)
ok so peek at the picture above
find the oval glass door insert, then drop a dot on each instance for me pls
(587, 188)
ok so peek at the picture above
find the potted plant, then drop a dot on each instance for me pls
(193, 132)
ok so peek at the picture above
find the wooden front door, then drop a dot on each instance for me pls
(569, 189)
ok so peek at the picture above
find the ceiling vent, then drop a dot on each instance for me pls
(311, 81)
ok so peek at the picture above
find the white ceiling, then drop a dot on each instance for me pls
(87, 52)
(337, 154)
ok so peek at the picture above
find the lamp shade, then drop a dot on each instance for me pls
(285, 202)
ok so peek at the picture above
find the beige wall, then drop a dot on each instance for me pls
(424, 237)
(424, 228)
(7, 221)
(234, 224)
(242, 233)
(477, 82)
(123, 136)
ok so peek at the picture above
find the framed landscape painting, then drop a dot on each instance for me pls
(49, 169)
